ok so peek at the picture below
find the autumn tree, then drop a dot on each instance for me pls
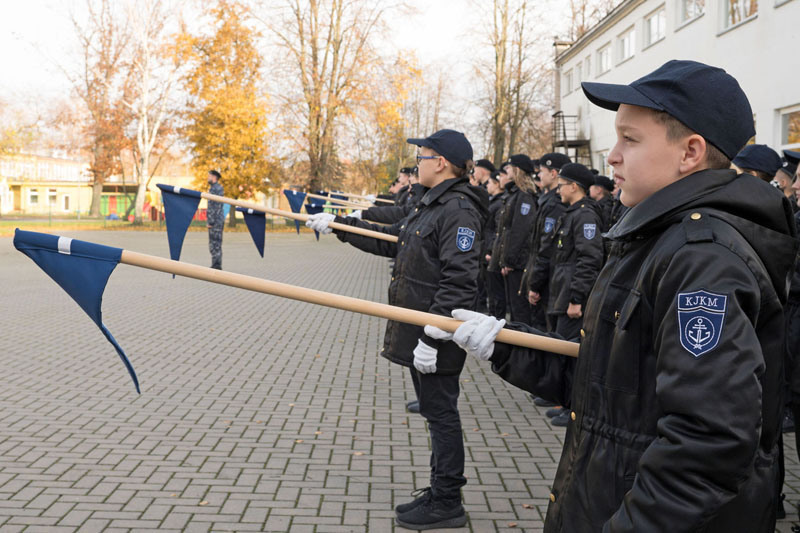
(103, 40)
(227, 125)
(327, 49)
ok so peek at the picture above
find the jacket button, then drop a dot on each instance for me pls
(616, 315)
(403, 226)
(402, 243)
(392, 278)
(552, 497)
(416, 209)
(417, 232)
(572, 415)
(695, 216)
(583, 333)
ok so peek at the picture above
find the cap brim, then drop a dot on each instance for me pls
(792, 156)
(419, 142)
(610, 96)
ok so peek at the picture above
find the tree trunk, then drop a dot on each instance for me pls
(144, 170)
(232, 217)
(97, 197)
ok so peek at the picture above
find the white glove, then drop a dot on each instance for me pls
(425, 358)
(355, 214)
(438, 334)
(320, 221)
(372, 198)
(477, 334)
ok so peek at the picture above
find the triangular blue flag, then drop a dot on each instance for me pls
(296, 199)
(81, 269)
(180, 205)
(257, 226)
(316, 205)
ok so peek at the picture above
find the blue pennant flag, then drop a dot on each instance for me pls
(257, 225)
(316, 205)
(180, 205)
(296, 199)
(81, 269)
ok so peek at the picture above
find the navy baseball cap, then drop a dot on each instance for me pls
(452, 145)
(577, 173)
(758, 157)
(407, 170)
(522, 162)
(792, 157)
(789, 168)
(554, 161)
(604, 182)
(485, 163)
(705, 99)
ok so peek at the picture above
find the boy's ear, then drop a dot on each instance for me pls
(694, 154)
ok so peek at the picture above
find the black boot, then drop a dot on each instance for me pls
(413, 407)
(421, 496)
(433, 514)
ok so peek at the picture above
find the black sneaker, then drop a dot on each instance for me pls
(422, 495)
(433, 514)
(788, 422)
(561, 420)
(413, 407)
(541, 402)
(554, 412)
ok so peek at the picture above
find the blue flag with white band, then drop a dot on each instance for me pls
(296, 199)
(80, 268)
(257, 226)
(180, 205)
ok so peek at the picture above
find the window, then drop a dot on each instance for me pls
(655, 27)
(52, 196)
(587, 67)
(604, 59)
(602, 163)
(66, 202)
(736, 11)
(33, 196)
(626, 45)
(567, 82)
(691, 9)
(578, 74)
(790, 129)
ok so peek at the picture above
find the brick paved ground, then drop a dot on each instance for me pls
(256, 413)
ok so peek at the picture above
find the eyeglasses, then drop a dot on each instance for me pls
(421, 157)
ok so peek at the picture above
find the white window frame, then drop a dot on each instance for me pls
(648, 37)
(65, 201)
(33, 194)
(52, 197)
(628, 35)
(782, 113)
(587, 67)
(725, 23)
(683, 13)
(566, 83)
(604, 50)
(602, 163)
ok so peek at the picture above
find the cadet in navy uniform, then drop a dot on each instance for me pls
(512, 245)
(759, 160)
(536, 277)
(493, 286)
(436, 269)
(577, 251)
(495, 282)
(675, 395)
(601, 193)
(215, 219)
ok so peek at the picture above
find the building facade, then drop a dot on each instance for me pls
(756, 42)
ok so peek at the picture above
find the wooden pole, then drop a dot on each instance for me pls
(346, 303)
(354, 205)
(362, 197)
(297, 216)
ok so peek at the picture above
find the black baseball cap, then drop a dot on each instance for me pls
(407, 170)
(536, 164)
(792, 157)
(789, 168)
(554, 160)
(495, 176)
(522, 162)
(485, 163)
(604, 182)
(758, 157)
(705, 99)
(451, 144)
(577, 173)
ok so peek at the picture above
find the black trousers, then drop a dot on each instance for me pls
(496, 291)
(569, 328)
(438, 404)
(518, 304)
(481, 305)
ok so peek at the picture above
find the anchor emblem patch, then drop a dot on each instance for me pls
(701, 315)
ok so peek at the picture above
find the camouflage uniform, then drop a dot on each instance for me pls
(216, 222)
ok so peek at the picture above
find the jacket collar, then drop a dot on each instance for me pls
(434, 194)
(687, 190)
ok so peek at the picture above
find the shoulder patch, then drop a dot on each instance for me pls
(589, 231)
(701, 315)
(549, 224)
(525, 208)
(465, 238)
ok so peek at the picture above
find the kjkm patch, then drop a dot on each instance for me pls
(525, 208)
(701, 315)
(465, 239)
(549, 224)
(589, 231)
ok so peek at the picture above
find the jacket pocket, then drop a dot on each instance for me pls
(616, 347)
